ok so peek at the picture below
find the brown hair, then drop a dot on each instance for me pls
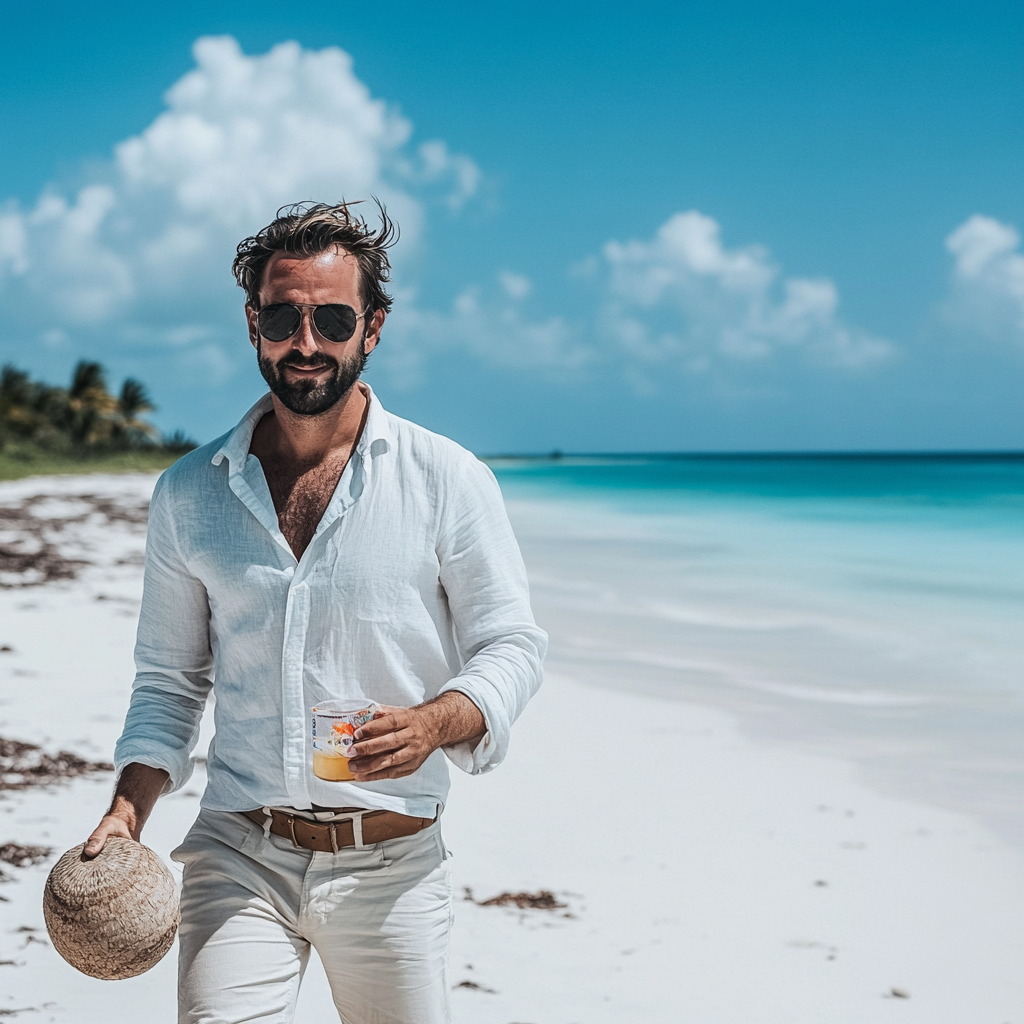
(309, 229)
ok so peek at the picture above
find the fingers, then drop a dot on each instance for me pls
(392, 764)
(366, 765)
(399, 772)
(390, 746)
(390, 721)
(95, 843)
(378, 745)
(109, 826)
(395, 729)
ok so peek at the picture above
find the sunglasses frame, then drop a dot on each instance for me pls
(306, 311)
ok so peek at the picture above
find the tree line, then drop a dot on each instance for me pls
(84, 418)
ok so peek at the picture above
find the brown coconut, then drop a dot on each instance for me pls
(113, 916)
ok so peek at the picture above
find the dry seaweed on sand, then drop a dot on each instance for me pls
(472, 985)
(30, 554)
(23, 765)
(23, 856)
(542, 900)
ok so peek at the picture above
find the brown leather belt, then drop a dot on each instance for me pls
(332, 836)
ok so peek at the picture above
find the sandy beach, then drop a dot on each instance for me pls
(696, 874)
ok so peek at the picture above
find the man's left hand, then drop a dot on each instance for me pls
(398, 740)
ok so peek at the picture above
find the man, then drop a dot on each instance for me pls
(322, 549)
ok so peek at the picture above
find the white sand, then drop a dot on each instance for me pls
(688, 855)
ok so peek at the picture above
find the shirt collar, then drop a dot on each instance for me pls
(375, 440)
(377, 437)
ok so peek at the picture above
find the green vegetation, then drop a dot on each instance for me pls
(82, 428)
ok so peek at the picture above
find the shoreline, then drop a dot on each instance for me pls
(883, 630)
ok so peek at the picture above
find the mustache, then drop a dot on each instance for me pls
(308, 362)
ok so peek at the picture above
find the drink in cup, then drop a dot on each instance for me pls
(334, 726)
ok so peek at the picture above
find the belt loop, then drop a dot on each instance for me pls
(333, 829)
(357, 830)
(268, 822)
(291, 825)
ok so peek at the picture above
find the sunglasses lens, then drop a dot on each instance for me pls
(279, 322)
(336, 322)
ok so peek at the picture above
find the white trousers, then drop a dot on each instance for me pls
(252, 905)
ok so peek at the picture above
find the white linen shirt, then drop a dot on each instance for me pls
(412, 585)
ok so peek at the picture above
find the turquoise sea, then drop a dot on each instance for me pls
(866, 606)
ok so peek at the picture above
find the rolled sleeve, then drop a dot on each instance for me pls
(173, 657)
(501, 646)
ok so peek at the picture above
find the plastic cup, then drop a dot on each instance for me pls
(334, 726)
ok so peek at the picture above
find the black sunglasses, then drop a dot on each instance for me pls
(281, 321)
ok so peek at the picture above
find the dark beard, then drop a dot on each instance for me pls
(309, 397)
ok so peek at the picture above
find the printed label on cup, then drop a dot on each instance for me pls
(334, 726)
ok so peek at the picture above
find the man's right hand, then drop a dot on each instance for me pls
(110, 825)
(136, 793)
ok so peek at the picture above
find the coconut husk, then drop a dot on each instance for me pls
(114, 916)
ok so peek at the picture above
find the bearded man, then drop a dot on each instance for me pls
(323, 549)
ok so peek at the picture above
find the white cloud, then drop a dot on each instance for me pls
(141, 253)
(12, 242)
(516, 285)
(679, 303)
(684, 298)
(437, 164)
(240, 136)
(988, 278)
(490, 325)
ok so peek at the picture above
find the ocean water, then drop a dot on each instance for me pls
(871, 607)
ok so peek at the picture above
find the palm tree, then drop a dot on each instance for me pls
(91, 406)
(24, 403)
(15, 397)
(81, 417)
(132, 403)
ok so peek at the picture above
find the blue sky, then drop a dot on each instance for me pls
(628, 227)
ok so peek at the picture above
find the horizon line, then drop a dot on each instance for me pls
(556, 454)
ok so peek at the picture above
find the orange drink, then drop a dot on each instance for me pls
(334, 726)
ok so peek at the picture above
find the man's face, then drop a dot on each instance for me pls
(307, 373)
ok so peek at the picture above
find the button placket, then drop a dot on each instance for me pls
(297, 615)
(293, 707)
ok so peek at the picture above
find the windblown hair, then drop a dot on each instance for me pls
(309, 229)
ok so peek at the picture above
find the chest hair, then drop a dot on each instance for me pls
(301, 496)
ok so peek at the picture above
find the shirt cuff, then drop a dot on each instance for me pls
(489, 752)
(179, 769)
